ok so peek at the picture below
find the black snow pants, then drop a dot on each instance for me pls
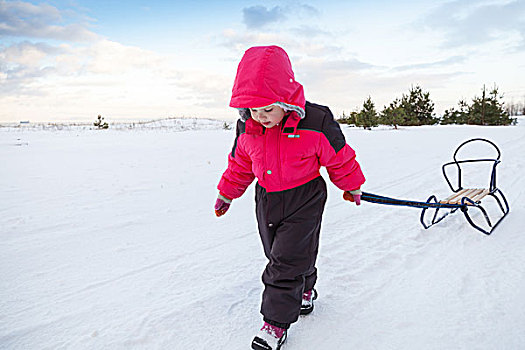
(289, 225)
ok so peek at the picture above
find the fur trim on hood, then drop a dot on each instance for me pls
(245, 114)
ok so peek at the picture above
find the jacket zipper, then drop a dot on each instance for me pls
(279, 133)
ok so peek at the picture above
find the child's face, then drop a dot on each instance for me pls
(268, 116)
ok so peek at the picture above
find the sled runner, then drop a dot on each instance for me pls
(464, 199)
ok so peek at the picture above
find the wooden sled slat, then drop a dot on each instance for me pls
(479, 196)
(467, 194)
(475, 194)
(454, 196)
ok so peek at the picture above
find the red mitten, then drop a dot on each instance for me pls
(222, 204)
(353, 196)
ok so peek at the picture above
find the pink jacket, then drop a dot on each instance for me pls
(290, 154)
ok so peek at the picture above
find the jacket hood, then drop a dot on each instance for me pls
(265, 77)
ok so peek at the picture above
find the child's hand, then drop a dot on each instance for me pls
(222, 205)
(353, 196)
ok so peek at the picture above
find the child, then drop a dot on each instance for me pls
(282, 140)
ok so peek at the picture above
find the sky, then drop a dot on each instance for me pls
(72, 60)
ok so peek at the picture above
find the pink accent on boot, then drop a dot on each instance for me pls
(274, 331)
(307, 304)
(307, 296)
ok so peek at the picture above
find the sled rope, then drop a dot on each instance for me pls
(374, 198)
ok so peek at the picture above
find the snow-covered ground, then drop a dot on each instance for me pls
(108, 240)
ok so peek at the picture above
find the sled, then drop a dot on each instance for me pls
(467, 200)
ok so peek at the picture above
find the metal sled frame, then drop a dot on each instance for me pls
(462, 199)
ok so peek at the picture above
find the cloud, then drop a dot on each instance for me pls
(110, 57)
(241, 41)
(323, 65)
(468, 23)
(307, 10)
(294, 32)
(24, 66)
(43, 21)
(21, 64)
(27, 54)
(324, 74)
(435, 64)
(205, 88)
(105, 76)
(310, 31)
(238, 42)
(259, 16)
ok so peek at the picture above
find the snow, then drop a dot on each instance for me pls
(108, 240)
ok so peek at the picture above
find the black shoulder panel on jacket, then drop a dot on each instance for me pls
(240, 129)
(320, 118)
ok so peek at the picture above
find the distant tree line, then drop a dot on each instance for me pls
(515, 109)
(416, 108)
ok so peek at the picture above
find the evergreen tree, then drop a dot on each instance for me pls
(100, 123)
(419, 107)
(459, 116)
(416, 108)
(489, 110)
(394, 114)
(367, 117)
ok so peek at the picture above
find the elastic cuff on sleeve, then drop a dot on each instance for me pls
(224, 198)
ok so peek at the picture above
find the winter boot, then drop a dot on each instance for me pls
(307, 305)
(269, 338)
